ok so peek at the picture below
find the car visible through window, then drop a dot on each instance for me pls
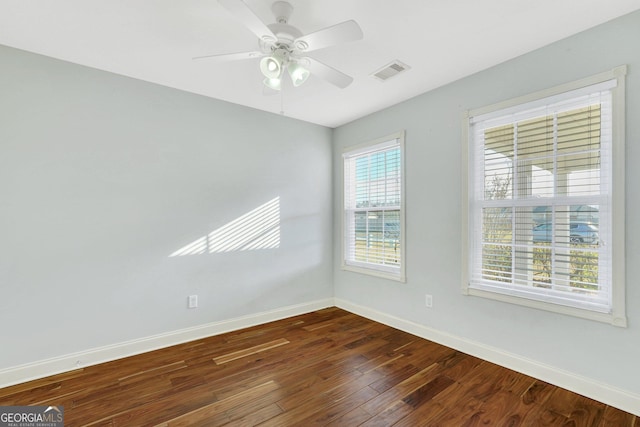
(579, 232)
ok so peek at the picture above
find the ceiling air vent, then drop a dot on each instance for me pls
(390, 70)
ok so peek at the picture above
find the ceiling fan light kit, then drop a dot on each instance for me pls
(271, 66)
(284, 46)
(275, 83)
(298, 72)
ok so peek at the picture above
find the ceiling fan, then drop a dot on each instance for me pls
(284, 47)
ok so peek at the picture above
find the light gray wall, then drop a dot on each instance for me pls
(433, 213)
(102, 177)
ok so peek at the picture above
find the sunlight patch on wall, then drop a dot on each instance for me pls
(258, 229)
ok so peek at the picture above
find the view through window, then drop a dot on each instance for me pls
(540, 200)
(373, 207)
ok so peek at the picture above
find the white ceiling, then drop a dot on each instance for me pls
(442, 41)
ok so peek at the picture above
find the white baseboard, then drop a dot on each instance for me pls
(70, 362)
(622, 399)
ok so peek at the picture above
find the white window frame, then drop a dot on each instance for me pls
(378, 270)
(616, 315)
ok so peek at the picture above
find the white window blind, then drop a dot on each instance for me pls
(540, 199)
(373, 214)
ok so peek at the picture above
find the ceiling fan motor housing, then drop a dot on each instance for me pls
(285, 33)
(282, 10)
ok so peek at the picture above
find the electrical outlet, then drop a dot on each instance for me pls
(428, 300)
(193, 301)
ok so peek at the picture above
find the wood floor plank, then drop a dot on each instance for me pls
(428, 391)
(225, 358)
(253, 418)
(518, 410)
(153, 371)
(334, 388)
(492, 412)
(394, 373)
(206, 412)
(456, 365)
(614, 417)
(389, 416)
(543, 417)
(581, 410)
(328, 367)
(42, 385)
(320, 325)
(354, 417)
(400, 391)
(437, 414)
(322, 409)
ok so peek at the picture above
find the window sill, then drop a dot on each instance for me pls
(555, 308)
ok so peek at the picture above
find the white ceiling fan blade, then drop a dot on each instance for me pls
(249, 19)
(340, 33)
(329, 74)
(227, 57)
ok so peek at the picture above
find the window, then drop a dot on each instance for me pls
(373, 224)
(544, 222)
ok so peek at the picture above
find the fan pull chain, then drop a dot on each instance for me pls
(281, 102)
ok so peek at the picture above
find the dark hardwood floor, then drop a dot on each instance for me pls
(329, 367)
